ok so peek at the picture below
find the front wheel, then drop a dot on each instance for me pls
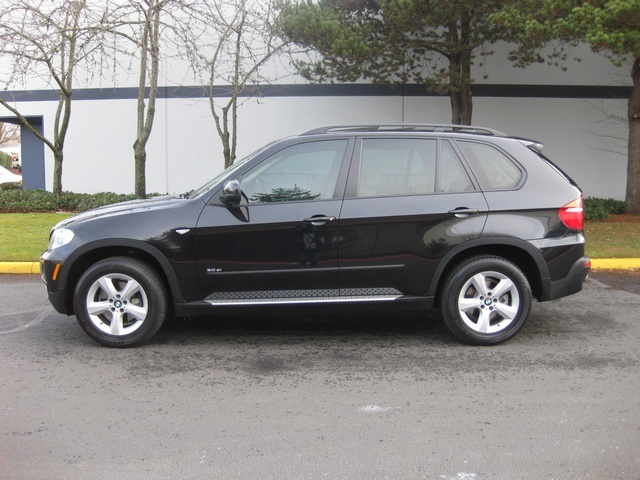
(120, 302)
(486, 300)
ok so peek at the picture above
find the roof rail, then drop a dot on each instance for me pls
(405, 127)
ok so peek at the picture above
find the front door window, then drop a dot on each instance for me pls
(298, 173)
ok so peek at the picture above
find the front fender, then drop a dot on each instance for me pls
(77, 262)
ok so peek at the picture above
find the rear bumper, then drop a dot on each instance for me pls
(570, 284)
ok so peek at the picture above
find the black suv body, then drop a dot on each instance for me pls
(466, 219)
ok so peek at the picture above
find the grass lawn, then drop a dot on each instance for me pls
(24, 236)
(618, 237)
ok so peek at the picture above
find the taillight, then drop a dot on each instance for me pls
(572, 214)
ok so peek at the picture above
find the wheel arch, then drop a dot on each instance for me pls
(93, 252)
(520, 252)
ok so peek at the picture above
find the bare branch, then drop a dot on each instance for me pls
(244, 42)
(47, 40)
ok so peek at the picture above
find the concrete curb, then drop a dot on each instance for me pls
(615, 263)
(20, 267)
(596, 264)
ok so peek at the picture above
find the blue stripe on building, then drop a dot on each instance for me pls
(328, 90)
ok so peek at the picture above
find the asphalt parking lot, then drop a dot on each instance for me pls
(313, 394)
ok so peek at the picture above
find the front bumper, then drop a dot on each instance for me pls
(50, 274)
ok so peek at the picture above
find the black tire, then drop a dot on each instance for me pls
(472, 308)
(120, 302)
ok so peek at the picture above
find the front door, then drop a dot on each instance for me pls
(281, 241)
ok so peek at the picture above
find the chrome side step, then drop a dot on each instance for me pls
(303, 296)
(276, 301)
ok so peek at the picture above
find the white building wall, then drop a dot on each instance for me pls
(184, 150)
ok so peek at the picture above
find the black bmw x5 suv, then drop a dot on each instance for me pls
(464, 219)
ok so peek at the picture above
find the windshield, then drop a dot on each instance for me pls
(225, 173)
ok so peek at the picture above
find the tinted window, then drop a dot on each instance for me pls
(409, 167)
(308, 171)
(397, 167)
(494, 169)
(554, 166)
(452, 175)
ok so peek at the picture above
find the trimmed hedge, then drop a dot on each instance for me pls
(601, 208)
(5, 160)
(10, 186)
(28, 201)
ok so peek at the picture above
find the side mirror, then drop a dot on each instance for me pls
(231, 193)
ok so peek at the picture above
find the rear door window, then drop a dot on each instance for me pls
(409, 166)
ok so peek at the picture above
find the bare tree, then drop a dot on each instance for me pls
(9, 134)
(46, 40)
(138, 22)
(149, 67)
(156, 29)
(243, 39)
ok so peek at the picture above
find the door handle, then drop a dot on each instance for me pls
(318, 220)
(462, 212)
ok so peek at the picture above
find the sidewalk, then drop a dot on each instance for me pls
(596, 264)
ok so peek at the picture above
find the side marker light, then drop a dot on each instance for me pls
(54, 277)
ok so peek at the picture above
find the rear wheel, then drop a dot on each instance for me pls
(120, 302)
(486, 300)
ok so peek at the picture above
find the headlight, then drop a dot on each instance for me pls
(60, 237)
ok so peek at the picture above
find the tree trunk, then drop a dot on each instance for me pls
(632, 197)
(150, 46)
(455, 96)
(460, 91)
(225, 137)
(57, 171)
(60, 128)
(140, 161)
(456, 104)
(139, 146)
(460, 73)
(466, 97)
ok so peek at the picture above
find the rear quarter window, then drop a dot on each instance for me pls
(494, 169)
(555, 167)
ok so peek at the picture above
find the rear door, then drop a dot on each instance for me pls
(408, 202)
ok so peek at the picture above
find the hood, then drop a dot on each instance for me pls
(131, 206)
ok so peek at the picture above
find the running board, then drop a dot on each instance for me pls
(279, 301)
(224, 300)
(304, 296)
